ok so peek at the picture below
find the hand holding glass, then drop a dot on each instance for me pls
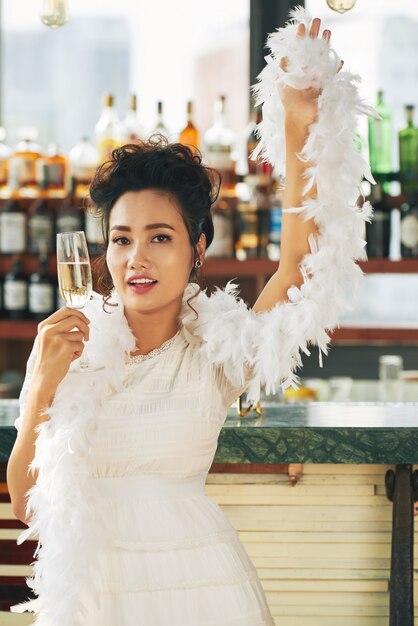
(74, 277)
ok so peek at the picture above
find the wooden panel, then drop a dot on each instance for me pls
(322, 548)
(14, 619)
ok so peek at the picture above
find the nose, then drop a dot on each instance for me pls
(138, 257)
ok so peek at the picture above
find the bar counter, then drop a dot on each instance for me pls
(349, 433)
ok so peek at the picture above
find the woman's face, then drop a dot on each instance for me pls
(148, 238)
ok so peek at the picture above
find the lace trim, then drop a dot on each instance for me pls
(179, 544)
(138, 358)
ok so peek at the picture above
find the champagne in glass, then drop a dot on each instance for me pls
(75, 282)
(74, 276)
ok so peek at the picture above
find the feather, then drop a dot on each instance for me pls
(63, 500)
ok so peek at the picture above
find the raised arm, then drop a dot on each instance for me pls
(300, 111)
(308, 133)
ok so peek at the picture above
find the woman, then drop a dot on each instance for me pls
(127, 535)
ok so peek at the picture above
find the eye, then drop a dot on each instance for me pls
(120, 240)
(166, 237)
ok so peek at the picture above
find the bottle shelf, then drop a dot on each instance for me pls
(18, 330)
(258, 270)
(231, 267)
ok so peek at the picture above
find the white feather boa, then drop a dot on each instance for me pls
(265, 348)
(254, 349)
(63, 501)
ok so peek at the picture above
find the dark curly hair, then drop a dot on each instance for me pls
(155, 164)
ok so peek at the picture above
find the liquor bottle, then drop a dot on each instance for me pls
(160, 127)
(2, 311)
(41, 222)
(93, 230)
(41, 290)
(13, 225)
(131, 130)
(380, 138)
(246, 244)
(107, 129)
(378, 230)
(16, 292)
(275, 230)
(190, 136)
(408, 152)
(409, 228)
(83, 163)
(53, 167)
(22, 164)
(252, 140)
(224, 216)
(5, 153)
(70, 216)
(220, 146)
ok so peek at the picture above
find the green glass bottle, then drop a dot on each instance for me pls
(380, 138)
(408, 153)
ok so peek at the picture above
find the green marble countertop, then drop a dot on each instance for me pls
(316, 432)
(322, 432)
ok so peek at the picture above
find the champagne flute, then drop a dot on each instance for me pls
(74, 278)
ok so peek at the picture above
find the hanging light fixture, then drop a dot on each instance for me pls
(341, 6)
(54, 13)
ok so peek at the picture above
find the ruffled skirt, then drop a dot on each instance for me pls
(173, 559)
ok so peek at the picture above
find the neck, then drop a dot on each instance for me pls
(152, 329)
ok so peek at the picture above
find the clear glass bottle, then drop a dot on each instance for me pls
(160, 126)
(220, 145)
(247, 240)
(22, 164)
(107, 130)
(190, 135)
(380, 138)
(13, 224)
(83, 163)
(131, 129)
(408, 152)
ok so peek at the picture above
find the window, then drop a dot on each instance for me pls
(169, 50)
(379, 41)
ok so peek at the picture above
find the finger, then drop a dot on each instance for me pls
(301, 30)
(66, 325)
(77, 349)
(62, 314)
(326, 35)
(75, 335)
(315, 26)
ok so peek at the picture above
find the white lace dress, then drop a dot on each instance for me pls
(172, 557)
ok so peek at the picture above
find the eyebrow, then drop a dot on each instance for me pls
(147, 227)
